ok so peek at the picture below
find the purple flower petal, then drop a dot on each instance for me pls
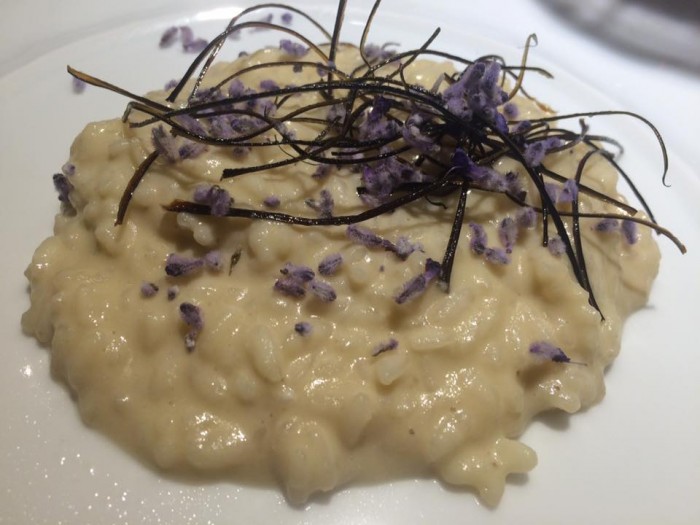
(286, 18)
(478, 240)
(629, 231)
(549, 351)
(496, 256)
(322, 290)
(269, 85)
(78, 85)
(404, 247)
(213, 260)
(165, 144)
(217, 198)
(168, 37)
(508, 233)
(607, 225)
(300, 273)
(178, 265)
(271, 202)
(64, 187)
(330, 264)
(294, 49)
(556, 245)
(526, 217)
(323, 206)
(569, 192)
(360, 235)
(416, 286)
(290, 287)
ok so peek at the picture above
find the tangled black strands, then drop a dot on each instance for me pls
(450, 138)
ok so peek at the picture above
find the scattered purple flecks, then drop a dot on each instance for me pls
(287, 18)
(78, 85)
(569, 192)
(322, 290)
(330, 264)
(192, 317)
(148, 289)
(416, 286)
(294, 49)
(496, 256)
(178, 265)
(385, 346)
(173, 292)
(556, 245)
(190, 43)
(271, 202)
(549, 351)
(303, 328)
(217, 198)
(535, 152)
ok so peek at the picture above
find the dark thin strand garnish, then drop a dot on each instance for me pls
(385, 119)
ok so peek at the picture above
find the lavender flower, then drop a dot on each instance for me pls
(508, 233)
(526, 217)
(607, 225)
(323, 206)
(404, 247)
(322, 290)
(165, 144)
(303, 328)
(191, 149)
(360, 235)
(300, 273)
(168, 37)
(268, 85)
(148, 289)
(478, 241)
(271, 202)
(569, 192)
(496, 256)
(286, 18)
(535, 152)
(78, 85)
(294, 49)
(195, 46)
(213, 260)
(63, 187)
(290, 286)
(385, 346)
(412, 132)
(177, 265)
(510, 111)
(556, 245)
(217, 198)
(629, 231)
(330, 264)
(549, 351)
(192, 317)
(416, 286)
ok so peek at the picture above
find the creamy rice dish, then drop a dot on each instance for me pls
(317, 356)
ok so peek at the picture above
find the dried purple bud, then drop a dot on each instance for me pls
(479, 239)
(168, 37)
(569, 192)
(294, 49)
(217, 198)
(535, 152)
(290, 286)
(526, 217)
(269, 85)
(629, 231)
(363, 236)
(322, 290)
(324, 206)
(508, 233)
(298, 272)
(414, 136)
(177, 265)
(496, 256)
(404, 247)
(385, 346)
(191, 149)
(170, 84)
(286, 18)
(556, 245)
(165, 144)
(196, 46)
(186, 34)
(173, 292)
(297, 68)
(213, 260)
(330, 264)
(63, 187)
(303, 328)
(192, 317)
(549, 351)
(607, 225)
(322, 171)
(271, 202)
(416, 286)
(149, 289)
(510, 111)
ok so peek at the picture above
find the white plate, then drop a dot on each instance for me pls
(632, 459)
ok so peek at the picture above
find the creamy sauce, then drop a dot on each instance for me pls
(257, 400)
